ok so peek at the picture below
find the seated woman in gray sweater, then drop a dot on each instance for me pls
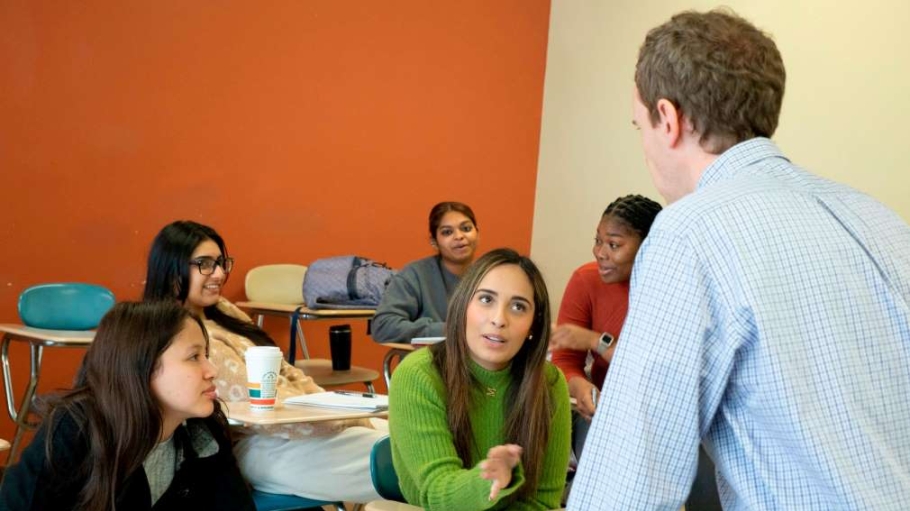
(415, 302)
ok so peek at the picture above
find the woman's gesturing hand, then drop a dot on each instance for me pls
(498, 466)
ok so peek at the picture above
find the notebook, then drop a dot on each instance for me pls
(342, 399)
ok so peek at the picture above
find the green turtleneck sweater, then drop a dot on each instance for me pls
(431, 473)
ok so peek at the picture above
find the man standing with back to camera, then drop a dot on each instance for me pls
(769, 313)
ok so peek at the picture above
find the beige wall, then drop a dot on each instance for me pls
(844, 116)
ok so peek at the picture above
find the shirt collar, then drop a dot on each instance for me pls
(200, 441)
(741, 156)
(488, 377)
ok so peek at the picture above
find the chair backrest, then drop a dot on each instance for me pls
(275, 283)
(276, 502)
(67, 306)
(385, 480)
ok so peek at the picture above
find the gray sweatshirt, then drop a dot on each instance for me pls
(414, 304)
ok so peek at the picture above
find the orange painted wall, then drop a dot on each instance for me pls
(298, 129)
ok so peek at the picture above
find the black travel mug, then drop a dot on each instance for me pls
(340, 346)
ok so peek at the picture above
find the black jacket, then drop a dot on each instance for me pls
(203, 481)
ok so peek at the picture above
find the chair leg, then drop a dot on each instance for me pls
(370, 387)
(390, 355)
(22, 422)
(303, 347)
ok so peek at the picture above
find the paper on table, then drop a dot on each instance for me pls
(342, 399)
(426, 341)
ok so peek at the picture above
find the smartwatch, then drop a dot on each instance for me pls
(606, 340)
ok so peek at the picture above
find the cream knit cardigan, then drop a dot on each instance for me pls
(226, 350)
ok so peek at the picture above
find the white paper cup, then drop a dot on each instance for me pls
(263, 364)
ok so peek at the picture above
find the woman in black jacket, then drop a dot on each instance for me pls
(141, 430)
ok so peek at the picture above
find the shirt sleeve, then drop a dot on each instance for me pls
(574, 309)
(643, 452)
(398, 318)
(424, 451)
(576, 304)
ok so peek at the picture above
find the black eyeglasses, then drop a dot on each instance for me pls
(207, 265)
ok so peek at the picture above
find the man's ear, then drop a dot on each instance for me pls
(670, 122)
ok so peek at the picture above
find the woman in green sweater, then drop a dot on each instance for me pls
(482, 421)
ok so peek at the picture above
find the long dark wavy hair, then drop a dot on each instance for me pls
(529, 406)
(168, 274)
(112, 401)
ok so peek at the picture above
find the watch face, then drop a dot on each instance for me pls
(606, 340)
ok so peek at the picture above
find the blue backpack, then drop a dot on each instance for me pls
(345, 282)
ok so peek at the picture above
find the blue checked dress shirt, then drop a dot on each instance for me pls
(769, 319)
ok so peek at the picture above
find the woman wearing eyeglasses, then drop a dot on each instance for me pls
(189, 262)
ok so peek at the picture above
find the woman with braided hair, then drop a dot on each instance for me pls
(595, 303)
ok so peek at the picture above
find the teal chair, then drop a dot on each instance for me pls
(275, 502)
(385, 480)
(71, 306)
(55, 315)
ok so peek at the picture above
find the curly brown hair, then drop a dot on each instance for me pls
(721, 72)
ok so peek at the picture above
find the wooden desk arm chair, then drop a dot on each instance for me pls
(70, 306)
(283, 284)
(59, 309)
